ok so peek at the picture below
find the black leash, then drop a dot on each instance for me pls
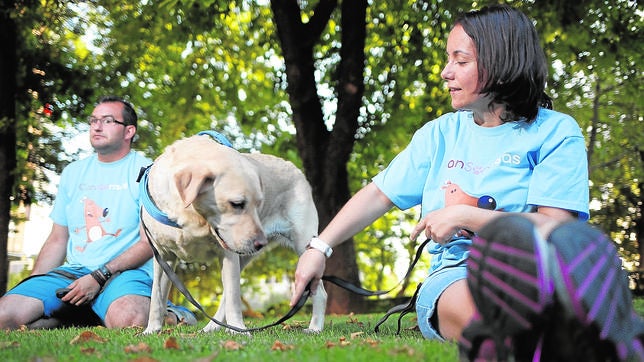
(369, 293)
(182, 288)
(404, 308)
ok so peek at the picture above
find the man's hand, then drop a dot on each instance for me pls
(82, 290)
(310, 268)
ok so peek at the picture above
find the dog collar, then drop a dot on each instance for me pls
(145, 199)
(220, 138)
(148, 204)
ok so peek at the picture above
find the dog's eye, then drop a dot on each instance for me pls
(238, 205)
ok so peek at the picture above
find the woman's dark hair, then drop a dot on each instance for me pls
(128, 113)
(511, 61)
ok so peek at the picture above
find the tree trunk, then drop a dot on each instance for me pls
(7, 129)
(325, 153)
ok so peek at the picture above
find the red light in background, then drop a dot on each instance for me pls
(48, 109)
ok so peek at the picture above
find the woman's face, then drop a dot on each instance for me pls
(461, 72)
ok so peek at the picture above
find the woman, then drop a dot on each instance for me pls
(502, 145)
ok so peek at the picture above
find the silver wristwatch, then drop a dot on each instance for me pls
(318, 244)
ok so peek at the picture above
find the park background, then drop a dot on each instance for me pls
(336, 87)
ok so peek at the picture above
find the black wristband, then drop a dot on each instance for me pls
(99, 277)
(106, 272)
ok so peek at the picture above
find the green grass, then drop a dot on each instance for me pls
(345, 338)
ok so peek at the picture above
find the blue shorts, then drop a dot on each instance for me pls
(43, 287)
(448, 265)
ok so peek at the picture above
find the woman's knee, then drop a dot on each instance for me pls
(455, 310)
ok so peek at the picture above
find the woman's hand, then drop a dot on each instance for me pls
(310, 268)
(443, 224)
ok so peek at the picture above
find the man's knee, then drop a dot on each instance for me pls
(17, 310)
(128, 311)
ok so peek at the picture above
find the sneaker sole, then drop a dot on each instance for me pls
(592, 286)
(507, 275)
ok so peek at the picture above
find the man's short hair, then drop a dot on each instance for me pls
(128, 113)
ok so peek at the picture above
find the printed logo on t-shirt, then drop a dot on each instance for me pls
(471, 167)
(95, 217)
(103, 187)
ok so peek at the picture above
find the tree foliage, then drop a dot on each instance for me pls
(42, 73)
(597, 52)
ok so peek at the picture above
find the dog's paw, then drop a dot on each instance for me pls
(150, 331)
(211, 327)
(311, 331)
(238, 333)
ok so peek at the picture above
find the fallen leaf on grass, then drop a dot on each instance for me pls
(344, 341)
(371, 342)
(403, 350)
(141, 347)
(355, 335)
(171, 343)
(279, 346)
(231, 345)
(292, 325)
(9, 344)
(352, 320)
(87, 336)
(88, 350)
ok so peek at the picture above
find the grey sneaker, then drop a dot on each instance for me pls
(563, 299)
(593, 288)
(184, 315)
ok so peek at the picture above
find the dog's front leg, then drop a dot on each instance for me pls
(319, 308)
(159, 297)
(230, 302)
(220, 316)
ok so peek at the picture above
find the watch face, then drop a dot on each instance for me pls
(321, 246)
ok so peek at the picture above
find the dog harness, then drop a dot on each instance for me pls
(147, 202)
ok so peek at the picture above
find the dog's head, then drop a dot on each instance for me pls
(229, 196)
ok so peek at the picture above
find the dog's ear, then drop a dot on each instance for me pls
(190, 181)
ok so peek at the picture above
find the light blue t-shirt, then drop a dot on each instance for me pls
(521, 165)
(99, 204)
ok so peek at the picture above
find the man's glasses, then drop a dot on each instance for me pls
(106, 121)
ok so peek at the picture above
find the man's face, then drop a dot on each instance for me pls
(109, 138)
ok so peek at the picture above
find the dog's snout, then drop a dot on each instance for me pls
(258, 245)
(260, 241)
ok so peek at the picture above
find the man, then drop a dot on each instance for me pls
(95, 266)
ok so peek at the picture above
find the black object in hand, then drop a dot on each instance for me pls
(61, 292)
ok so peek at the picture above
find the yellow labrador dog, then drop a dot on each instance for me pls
(225, 204)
